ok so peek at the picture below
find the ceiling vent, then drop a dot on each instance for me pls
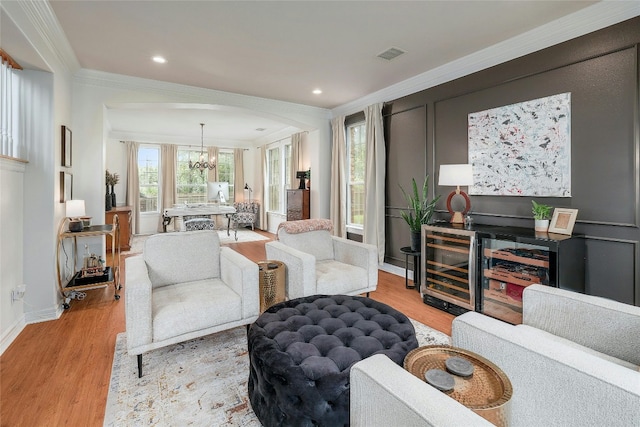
(391, 53)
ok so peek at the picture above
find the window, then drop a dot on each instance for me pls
(278, 175)
(226, 171)
(148, 165)
(191, 185)
(275, 180)
(356, 147)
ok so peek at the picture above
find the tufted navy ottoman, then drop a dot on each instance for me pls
(301, 352)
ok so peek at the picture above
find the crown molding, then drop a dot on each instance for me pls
(587, 20)
(45, 33)
(197, 94)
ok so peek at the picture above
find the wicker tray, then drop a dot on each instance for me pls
(486, 392)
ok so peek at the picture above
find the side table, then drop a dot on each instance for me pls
(407, 251)
(486, 392)
(271, 276)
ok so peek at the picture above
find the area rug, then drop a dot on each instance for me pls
(244, 235)
(202, 382)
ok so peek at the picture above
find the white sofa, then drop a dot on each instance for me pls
(184, 286)
(319, 263)
(573, 362)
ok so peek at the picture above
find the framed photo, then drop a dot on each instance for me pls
(66, 186)
(563, 221)
(66, 146)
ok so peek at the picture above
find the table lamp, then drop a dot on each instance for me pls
(74, 211)
(456, 175)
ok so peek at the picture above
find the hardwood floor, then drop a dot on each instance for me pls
(57, 373)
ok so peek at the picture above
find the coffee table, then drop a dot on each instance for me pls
(486, 392)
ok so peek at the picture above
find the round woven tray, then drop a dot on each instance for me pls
(486, 392)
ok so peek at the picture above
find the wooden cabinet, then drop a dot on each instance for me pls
(124, 215)
(298, 205)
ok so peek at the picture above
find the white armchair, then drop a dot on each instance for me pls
(184, 286)
(319, 263)
(573, 362)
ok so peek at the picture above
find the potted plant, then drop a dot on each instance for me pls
(542, 215)
(420, 210)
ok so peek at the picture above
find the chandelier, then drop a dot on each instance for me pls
(202, 164)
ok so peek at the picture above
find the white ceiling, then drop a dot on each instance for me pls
(274, 49)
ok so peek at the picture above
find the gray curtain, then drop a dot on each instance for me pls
(133, 185)
(374, 179)
(168, 164)
(338, 200)
(238, 174)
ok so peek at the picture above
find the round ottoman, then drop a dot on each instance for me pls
(301, 352)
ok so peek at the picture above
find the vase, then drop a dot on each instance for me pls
(107, 200)
(542, 225)
(113, 198)
(415, 241)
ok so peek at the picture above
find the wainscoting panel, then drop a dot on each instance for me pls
(612, 269)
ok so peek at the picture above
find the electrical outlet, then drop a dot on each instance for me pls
(18, 292)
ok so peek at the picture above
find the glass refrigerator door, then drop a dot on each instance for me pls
(507, 268)
(448, 263)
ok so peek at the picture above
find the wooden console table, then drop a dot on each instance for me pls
(124, 215)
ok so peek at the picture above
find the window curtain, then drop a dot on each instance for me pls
(238, 174)
(168, 162)
(212, 174)
(374, 180)
(338, 200)
(133, 184)
(296, 157)
(263, 173)
(8, 97)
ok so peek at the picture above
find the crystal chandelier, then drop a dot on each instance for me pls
(202, 164)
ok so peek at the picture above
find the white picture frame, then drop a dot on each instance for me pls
(563, 221)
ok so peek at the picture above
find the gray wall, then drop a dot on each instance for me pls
(600, 70)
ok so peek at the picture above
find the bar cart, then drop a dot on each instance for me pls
(94, 273)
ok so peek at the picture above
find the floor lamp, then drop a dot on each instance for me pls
(457, 175)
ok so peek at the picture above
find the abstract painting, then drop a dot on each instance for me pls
(522, 149)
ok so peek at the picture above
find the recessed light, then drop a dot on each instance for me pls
(317, 91)
(159, 59)
(261, 129)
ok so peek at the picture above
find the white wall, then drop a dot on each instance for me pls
(45, 105)
(12, 319)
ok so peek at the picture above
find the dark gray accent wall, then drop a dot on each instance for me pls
(601, 70)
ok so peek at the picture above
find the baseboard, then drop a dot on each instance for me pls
(45, 315)
(394, 269)
(12, 333)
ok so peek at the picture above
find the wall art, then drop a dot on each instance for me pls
(66, 186)
(522, 149)
(66, 144)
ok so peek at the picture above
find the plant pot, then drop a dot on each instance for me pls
(542, 225)
(415, 241)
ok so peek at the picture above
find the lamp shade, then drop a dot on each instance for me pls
(75, 208)
(455, 175)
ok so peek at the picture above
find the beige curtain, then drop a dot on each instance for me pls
(338, 200)
(168, 162)
(296, 157)
(374, 179)
(133, 185)
(238, 174)
(212, 174)
(263, 172)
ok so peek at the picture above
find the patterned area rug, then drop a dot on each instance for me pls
(244, 235)
(202, 382)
